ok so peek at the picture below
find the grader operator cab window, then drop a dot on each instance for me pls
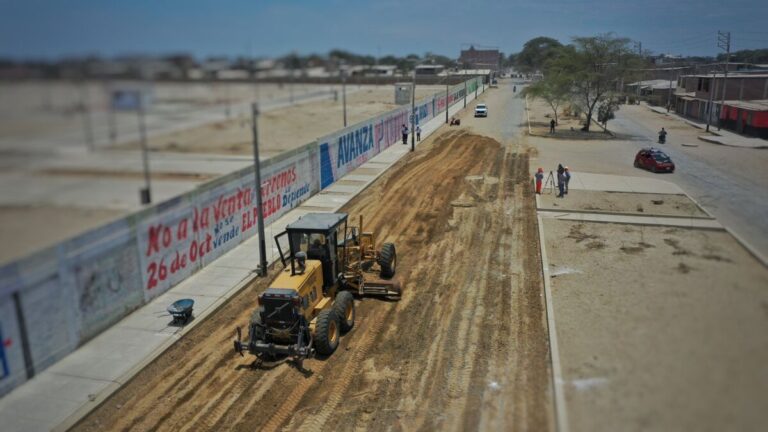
(317, 247)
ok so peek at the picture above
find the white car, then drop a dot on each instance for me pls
(481, 110)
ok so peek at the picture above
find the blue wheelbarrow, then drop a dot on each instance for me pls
(181, 310)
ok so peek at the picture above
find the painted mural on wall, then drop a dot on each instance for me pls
(12, 372)
(72, 291)
(5, 370)
(342, 152)
(108, 285)
(51, 315)
(187, 236)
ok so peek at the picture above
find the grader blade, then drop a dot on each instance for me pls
(382, 287)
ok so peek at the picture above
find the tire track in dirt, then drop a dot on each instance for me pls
(318, 420)
(497, 302)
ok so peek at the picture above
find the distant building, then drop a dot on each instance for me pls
(429, 69)
(382, 70)
(481, 59)
(484, 73)
(746, 100)
(657, 92)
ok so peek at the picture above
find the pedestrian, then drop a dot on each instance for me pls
(405, 134)
(552, 126)
(561, 184)
(560, 169)
(567, 175)
(418, 133)
(539, 178)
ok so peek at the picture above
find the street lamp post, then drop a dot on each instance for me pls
(413, 111)
(344, 91)
(446, 99)
(146, 193)
(257, 173)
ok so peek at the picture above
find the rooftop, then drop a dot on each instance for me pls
(730, 75)
(318, 221)
(751, 105)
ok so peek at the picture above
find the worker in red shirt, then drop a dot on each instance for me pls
(539, 178)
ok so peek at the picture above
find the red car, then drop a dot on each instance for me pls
(654, 160)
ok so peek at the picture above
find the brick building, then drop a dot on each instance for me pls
(746, 100)
(480, 59)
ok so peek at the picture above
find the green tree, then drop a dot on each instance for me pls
(554, 89)
(535, 54)
(606, 110)
(595, 65)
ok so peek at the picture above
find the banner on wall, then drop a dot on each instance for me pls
(349, 148)
(346, 150)
(187, 236)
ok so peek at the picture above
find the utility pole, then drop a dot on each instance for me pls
(86, 111)
(259, 209)
(343, 90)
(146, 193)
(378, 54)
(465, 90)
(446, 99)
(724, 42)
(639, 53)
(711, 94)
(413, 111)
(669, 92)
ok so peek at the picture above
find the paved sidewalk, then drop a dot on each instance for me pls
(617, 183)
(632, 219)
(58, 397)
(627, 184)
(721, 137)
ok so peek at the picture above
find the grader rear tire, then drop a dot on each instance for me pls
(387, 261)
(345, 310)
(327, 332)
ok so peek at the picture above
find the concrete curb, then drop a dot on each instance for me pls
(714, 140)
(565, 216)
(752, 251)
(649, 215)
(561, 412)
(602, 127)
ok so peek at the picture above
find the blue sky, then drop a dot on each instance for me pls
(53, 29)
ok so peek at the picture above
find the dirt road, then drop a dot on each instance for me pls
(465, 348)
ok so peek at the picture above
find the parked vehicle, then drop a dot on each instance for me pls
(654, 160)
(481, 110)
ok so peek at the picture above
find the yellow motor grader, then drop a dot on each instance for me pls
(311, 303)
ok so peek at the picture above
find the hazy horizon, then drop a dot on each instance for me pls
(46, 30)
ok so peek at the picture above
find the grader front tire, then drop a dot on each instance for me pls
(327, 332)
(387, 261)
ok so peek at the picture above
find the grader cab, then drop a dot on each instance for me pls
(348, 254)
(311, 303)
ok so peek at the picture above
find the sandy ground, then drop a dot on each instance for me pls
(626, 203)
(282, 129)
(464, 349)
(57, 223)
(659, 328)
(41, 142)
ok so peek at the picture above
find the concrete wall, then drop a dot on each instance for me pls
(56, 299)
